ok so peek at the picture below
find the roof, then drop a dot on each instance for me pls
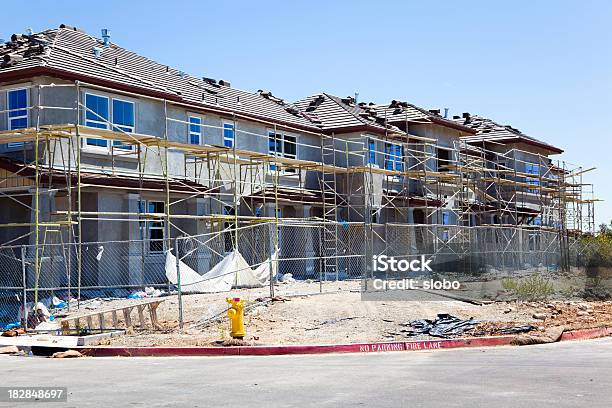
(490, 131)
(333, 112)
(69, 51)
(398, 111)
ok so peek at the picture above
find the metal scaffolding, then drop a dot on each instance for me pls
(478, 185)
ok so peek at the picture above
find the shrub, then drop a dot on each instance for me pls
(534, 287)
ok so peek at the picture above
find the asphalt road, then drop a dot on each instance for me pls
(571, 374)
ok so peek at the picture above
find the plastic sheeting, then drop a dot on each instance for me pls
(444, 325)
(232, 272)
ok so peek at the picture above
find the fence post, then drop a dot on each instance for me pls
(321, 255)
(271, 266)
(24, 293)
(178, 282)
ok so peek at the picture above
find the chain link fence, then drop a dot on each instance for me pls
(311, 255)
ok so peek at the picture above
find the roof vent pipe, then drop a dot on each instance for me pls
(29, 32)
(106, 37)
(97, 51)
(445, 113)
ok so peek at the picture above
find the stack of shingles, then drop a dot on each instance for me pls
(21, 47)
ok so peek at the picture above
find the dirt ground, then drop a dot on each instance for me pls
(302, 315)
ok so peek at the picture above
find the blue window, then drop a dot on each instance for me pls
(195, 130)
(399, 154)
(153, 230)
(123, 120)
(394, 157)
(275, 146)
(229, 135)
(282, 145)
(123, 116)
(371, 151)
(534, 169)
(445, 218)
(445, 221)
(96, 116)
(18, 112)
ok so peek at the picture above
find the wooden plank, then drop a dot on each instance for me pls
(127, 317)
(153, 316)
(141, 315)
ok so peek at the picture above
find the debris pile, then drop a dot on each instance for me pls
(501, 329)
(148, 292)
(444, 325)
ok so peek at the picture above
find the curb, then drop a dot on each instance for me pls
(418, 345)
(298, 349)
(585, 334)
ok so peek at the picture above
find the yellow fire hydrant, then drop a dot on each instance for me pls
(236, 316)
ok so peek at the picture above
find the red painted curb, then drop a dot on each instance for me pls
(326, 348)
(585, 334)
(298, 349)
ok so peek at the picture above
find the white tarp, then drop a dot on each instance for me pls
(260, 276)
(232, 272)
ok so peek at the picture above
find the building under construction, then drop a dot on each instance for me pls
(108, 158)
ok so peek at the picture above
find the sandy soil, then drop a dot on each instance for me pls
(302, 315)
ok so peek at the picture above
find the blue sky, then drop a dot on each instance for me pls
(543, 66)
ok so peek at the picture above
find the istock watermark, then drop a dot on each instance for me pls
(393, 279)
(412, 284)
(384, 263)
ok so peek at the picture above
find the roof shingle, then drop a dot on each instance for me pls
(72, 51)
(491, 131)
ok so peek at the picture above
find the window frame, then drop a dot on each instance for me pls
(85, 142)
(280, 139)
(148, 225)
(9, 119)
(371, 151)
(445, 223)
(190, 133)
(232, 140)
(115, 143)
(111, 125)
(393, 158)
(532, 169)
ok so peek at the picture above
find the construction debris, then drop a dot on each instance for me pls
(497, 329)
(551, 335)
(148, 292)
(445, 325)
(287, 278)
